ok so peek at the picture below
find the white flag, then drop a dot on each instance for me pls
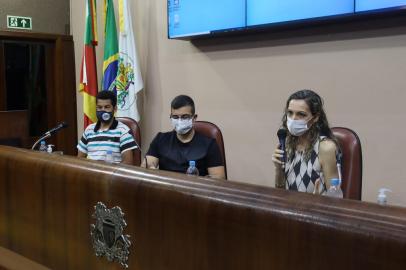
(129, 81)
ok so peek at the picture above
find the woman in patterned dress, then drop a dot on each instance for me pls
(311, 148)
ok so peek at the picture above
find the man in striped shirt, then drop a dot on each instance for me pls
(108, 134)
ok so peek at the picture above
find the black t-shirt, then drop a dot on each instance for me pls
(175, 155)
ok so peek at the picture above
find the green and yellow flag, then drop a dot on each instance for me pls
(110, 63)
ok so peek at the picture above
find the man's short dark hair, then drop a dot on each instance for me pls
(183, 101)
(106, 94)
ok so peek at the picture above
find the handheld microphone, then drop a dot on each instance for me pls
(282, 133)
(57, 128)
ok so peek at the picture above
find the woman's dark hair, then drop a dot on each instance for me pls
(319, 128)
(106, 94)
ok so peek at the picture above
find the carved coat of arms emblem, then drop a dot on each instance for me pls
(107, 234)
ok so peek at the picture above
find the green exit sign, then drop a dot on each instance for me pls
(18, 22)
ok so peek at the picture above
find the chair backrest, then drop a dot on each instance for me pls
(351, 162)
(136, 132)
(212, 131)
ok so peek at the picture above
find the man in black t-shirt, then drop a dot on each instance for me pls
(173, 150)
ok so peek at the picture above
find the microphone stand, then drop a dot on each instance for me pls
(45, 136)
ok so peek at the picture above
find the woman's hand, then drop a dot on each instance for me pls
(277, 157)
(317, 186)
(279, 165)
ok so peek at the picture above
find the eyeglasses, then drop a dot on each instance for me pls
(183, 117)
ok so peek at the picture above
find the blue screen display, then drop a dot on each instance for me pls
(364, 5)
(194, 17)
(273, 11)
(187, 18)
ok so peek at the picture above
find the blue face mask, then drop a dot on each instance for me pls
(297, 127)
(104, 116)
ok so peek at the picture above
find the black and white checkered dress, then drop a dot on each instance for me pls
(301, 175)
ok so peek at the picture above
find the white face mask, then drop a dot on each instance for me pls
(182, 126)
(297, 127)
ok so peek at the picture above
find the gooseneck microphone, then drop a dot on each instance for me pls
(282, 133)
(49, 133)
(57, 128)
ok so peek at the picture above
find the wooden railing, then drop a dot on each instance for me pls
(178, 222)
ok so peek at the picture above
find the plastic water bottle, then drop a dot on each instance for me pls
(109, 156)
(335, 190)
(43, 147)
(382, 198)
(192, 170)
(49, 149)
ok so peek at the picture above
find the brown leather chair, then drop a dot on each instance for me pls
(351, 162)
(212, 131)
(136, 132)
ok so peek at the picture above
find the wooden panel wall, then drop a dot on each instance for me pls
(14, 127)
(178, 222)
(61, 96)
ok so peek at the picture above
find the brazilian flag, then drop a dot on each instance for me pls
(110, 62)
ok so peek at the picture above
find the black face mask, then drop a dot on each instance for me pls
(104, 116)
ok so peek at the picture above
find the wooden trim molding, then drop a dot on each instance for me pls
(12, 260)
(33, 36)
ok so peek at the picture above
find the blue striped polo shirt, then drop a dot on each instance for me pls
(95, 143)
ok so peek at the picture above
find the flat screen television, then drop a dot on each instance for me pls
(266, 11)
(188, 19)
(201, 17)
(368, 5)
